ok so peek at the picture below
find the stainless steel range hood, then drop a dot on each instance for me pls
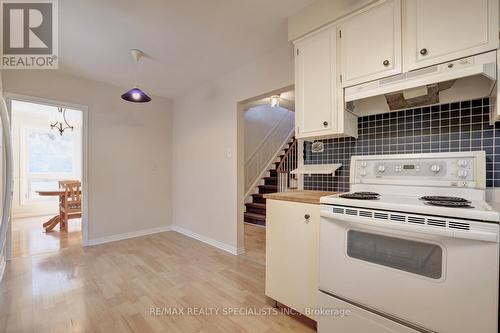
(461, 79)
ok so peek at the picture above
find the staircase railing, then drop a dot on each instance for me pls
(287, 180)
(265, 154)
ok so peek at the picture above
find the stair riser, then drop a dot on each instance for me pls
(259, 200)
(273, 173)
(266, 190)
(253, 221)
(271, 181)
(255, 210)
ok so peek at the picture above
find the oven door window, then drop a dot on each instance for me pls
(407, 255)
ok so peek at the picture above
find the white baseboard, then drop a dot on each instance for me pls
(223, 246)
(127, 235)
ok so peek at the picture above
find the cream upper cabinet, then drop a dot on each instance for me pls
(319, 106)
(370, 43)
(439, 31)
(314, 83)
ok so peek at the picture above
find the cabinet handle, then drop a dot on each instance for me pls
(307, 216)
(386, 63)
(423, 52)
(325, 123)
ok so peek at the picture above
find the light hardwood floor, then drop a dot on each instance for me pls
(29, 237)
(255, 243)
(112, 288)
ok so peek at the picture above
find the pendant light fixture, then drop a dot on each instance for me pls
(274, 101)
(61, 124)
(135, 94)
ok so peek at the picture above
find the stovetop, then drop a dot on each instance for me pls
(440, 184)
(457, 208)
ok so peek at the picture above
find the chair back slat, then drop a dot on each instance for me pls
(73, 192)
(62, 183)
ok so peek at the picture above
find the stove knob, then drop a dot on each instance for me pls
(362, 172)
(462, 173)
(435, 168)
(381, 168)
(462, 163)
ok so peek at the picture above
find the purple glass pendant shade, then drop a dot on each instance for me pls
(136, 95)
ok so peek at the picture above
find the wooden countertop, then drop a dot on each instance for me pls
(311, 197)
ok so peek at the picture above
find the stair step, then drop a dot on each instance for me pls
(256, 208)
(255, 218)
(273, 173)
(258, 198)
(270, 180)
(263, 189)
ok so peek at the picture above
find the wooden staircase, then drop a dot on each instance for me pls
(255, 212)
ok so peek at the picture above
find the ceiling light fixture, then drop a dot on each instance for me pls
(135, 94)
(61, 124)
(275, 101)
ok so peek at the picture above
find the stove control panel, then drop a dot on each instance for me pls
(440, 169)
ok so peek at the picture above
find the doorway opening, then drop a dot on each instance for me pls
(266, 126)
(49, 187)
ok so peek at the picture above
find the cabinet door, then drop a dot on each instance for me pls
(315, 84)
(292, 254)
(444, 30)
(370, 44)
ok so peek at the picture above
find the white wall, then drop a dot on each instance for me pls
(259, 123)
(208, 153)
(320, 13)
(129, 150)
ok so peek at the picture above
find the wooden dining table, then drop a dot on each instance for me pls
(51, 224)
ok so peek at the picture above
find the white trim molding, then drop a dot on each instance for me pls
(127, 235)
(210, 241)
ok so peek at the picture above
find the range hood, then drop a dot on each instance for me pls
(465, 78)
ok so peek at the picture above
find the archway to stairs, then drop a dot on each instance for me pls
(265, 131)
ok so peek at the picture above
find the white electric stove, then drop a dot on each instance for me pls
(413, 247)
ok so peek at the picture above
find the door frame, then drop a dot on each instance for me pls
(85, 137)
(241, 106)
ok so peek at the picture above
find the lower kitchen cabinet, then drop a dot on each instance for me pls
(292, 254)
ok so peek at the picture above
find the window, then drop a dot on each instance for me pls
(48, 158)
(407, 255)
(49, 152)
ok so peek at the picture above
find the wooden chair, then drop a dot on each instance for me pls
(70, 206)
(62, 183)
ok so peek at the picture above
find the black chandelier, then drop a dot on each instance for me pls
(63, 124)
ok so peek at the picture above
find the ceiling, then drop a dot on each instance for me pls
(186, 42)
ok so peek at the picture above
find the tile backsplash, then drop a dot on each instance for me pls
(461, 126)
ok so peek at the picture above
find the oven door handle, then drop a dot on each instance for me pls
(478, 235)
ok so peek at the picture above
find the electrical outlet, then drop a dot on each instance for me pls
(317, 147)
